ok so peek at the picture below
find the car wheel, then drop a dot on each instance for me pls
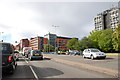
(104, 57)
(84, 56)
(16, 65)
(17, 59)
(13, 69)
(42, 58)
(92, 57)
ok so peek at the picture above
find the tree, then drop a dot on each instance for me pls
(105, 40)
(94, 36)
(48, 48)
(78, 46)
(86, 42)
(71, 43)
(116, 39)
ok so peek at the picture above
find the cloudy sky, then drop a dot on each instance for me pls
(23, 19)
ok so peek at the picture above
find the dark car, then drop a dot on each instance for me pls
(78, 53)
(35, 54)
(8, 59)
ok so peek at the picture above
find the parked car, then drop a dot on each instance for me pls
(93, 53)
(78, 53)
(35, 54)
(16, 53)
(73, 52)
(8, 58)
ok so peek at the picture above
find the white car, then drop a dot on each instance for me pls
(93, 53)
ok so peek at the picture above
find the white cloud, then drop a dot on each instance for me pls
(19, 22)
(28, 19)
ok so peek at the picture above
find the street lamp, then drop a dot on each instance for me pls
(55, 37)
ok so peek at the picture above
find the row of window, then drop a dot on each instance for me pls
(113, 12)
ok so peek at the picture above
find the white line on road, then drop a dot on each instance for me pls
(34, 72)
(35, 75)
(26, 61)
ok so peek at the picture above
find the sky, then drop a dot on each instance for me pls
(21, 19)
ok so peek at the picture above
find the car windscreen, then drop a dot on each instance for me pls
(38, 52)
(94, 50)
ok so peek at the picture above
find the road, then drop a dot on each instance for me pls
(49, 68)
(109, 62)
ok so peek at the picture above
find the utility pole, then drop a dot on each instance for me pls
(55, 37)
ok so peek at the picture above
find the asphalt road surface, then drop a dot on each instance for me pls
(109, 62)
(48, 68)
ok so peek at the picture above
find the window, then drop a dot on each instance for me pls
(94, 50)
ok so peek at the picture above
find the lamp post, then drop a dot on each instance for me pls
(55, 37)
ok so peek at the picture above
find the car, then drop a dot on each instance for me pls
(78, 53)
(73, 52)
(93, 53)
(25, 49)
(8, 58)
(16, 53)
(35, 54)
(27, 53)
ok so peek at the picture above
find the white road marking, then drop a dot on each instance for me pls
(26, 61)
(35, 75)
(34, 72)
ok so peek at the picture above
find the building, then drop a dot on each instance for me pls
(17, 47)
(51, 39)
(107, 19)
(58, 42)
(37, 43)
(119, 10)
(61, 43)
(24, 43)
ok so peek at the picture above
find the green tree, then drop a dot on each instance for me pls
(78, 46)
(48, 48)
(105, 40)
(94, 36)
(86, 42)
(116, 39)
(71, 43)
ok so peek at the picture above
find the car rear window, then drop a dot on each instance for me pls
(5, 48)
(34, 52)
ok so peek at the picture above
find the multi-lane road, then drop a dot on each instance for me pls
(50, 68)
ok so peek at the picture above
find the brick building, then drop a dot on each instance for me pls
(24, 43)
(37, 43)
(17, 47)
(61, 43)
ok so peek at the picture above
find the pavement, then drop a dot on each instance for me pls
(113, 54)
(108, 66)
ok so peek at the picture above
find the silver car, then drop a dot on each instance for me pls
(35, 54)
(93, 53)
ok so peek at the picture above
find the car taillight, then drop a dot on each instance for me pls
(41, 55)
(10, 59)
